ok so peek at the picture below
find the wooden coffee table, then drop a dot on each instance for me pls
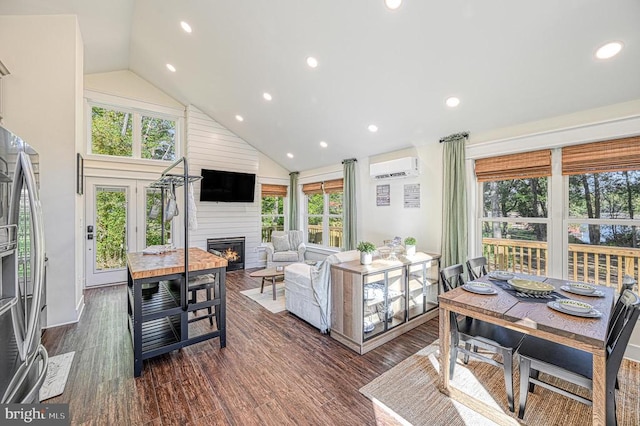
(268, 273)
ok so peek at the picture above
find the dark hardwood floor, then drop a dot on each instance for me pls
(276, 369)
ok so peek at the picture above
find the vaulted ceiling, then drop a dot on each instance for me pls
(508, 62)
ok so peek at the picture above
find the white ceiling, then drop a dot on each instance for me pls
(508, 61)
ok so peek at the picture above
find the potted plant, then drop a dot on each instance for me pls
(410, 246)
(366, 250)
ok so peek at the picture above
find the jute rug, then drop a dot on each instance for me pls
(57, 374)
(265, 299)
(408, 394)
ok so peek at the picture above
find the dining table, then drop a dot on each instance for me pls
(516, 311)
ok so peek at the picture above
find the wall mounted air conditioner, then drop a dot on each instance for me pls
(399, 168)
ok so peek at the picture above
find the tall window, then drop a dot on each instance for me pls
(603, 224)
(273, 199)
(323, 212)
(515, 213)
(130, 133)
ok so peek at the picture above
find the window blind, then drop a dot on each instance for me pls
(514, 166)
(332, 186)
(269, 190)
(598, 157)
(312, 188)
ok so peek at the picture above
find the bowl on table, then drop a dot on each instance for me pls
(582, 288)
(575, 306)
(501, 275)
(531, 287)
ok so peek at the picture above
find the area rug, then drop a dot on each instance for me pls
(409, 393)
(266, 299)
(57, 374)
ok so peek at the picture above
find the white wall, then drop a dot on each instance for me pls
(212, 146)
(41, 98)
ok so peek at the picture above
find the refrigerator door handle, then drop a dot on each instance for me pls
(24, 169)
(21, 375)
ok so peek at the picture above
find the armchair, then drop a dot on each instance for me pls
(285, 248)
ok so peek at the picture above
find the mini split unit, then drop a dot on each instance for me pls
(399, 168)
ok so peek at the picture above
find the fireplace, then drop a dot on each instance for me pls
(231, 249)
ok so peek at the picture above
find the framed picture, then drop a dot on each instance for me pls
(79, 174)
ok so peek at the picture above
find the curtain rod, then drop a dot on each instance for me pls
(350, 159)
(454, 136)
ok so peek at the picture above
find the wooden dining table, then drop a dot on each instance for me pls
(535, 319)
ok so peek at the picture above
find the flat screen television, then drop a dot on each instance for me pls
(227, 187)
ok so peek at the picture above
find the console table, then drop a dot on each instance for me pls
(158, 322)
(372, 304)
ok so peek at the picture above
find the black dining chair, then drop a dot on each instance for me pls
(576, 366)
(210, 284)
(479, 334)
(476, 267)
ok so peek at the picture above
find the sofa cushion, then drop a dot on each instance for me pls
(285, 256)
(280, 243)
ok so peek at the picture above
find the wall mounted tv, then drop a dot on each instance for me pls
(228, 187)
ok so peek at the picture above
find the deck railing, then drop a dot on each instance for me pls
(603, 265)
(335, 235)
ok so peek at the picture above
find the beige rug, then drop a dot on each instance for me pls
(266, 299)
(57, 374)
(408, 394)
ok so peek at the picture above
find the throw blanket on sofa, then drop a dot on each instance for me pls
(320, 282)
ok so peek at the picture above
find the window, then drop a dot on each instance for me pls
(119, 132)
(273, 199)
(603, 227)
(515, 211)
(323, 212)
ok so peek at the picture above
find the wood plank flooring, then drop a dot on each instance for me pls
(275, 370)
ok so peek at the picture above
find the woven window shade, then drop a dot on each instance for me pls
(599, 157)
(514, 166)
(335, 185)
(274, 190)
(312, 188)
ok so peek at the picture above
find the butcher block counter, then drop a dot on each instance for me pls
(161, 318)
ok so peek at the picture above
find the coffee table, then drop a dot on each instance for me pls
(268, 273)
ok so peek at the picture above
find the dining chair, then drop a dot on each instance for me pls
(479, 334)
(210, 284)
(476, 267)
(576, 366)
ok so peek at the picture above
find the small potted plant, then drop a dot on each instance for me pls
(410, 246)
(366, 250)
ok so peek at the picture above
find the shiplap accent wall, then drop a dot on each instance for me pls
(212, 146)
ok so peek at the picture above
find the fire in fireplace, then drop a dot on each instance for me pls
(232, 249)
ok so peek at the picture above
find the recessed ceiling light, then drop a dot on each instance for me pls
(312, 62)
(323, 144)
(452, 102)
(290, 155)
(171, 68)
(239, 118)
(186, 27)
(372, 128)
(267, 96)
(393, 4)
(609, 50)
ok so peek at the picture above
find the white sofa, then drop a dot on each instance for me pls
(307, 289)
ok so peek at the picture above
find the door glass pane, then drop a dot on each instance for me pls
(111, 228)
(335, 231)
(153, 233)
(518, 247)
(111, 132)
(611, 195)
(158, 138)
(515, 198)
(314, 227)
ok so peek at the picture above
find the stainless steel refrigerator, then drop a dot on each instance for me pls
(23, 360)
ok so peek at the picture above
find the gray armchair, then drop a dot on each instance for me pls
(285, 248)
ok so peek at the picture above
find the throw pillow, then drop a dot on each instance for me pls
(280, 243)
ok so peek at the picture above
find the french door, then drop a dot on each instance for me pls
(122, 216)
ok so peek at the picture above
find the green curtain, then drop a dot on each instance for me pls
(349, 215)
(454, 201)
(293, 201)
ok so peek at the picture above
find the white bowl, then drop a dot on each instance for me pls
(501, 275)
(582, 288)
(575, 305)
